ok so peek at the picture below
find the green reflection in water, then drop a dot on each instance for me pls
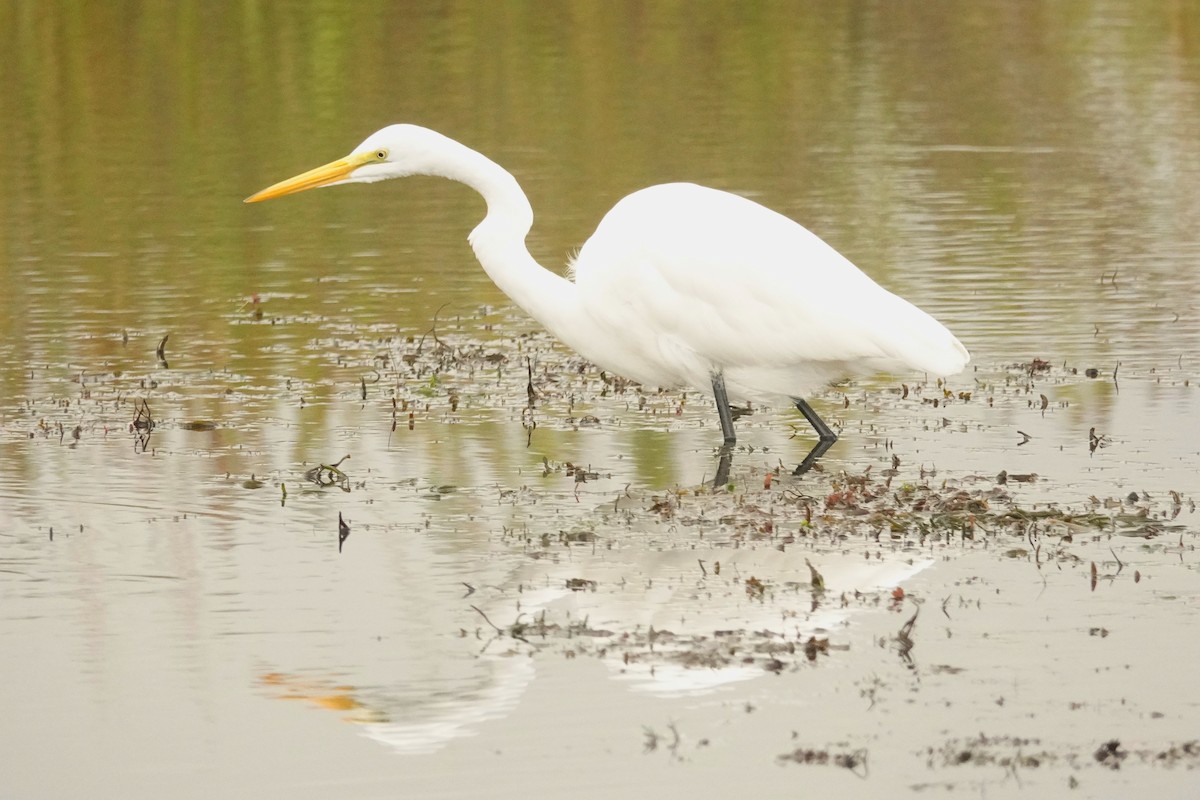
(992, 162)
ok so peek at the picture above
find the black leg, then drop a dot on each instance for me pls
(726, 415)
(825, 437)
(722, 478)
(723, 409)
(823, 431)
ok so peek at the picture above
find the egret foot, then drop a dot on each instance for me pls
(825, 437)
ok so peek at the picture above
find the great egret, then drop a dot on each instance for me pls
(680, 285)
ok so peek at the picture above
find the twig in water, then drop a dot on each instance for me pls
(904, 637)
(488, 621)
(343, 531)
(432, 331)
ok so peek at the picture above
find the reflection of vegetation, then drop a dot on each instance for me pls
(1021, 143)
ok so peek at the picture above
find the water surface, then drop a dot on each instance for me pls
(1025, 173)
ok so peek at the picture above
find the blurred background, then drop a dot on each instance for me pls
(993, 162)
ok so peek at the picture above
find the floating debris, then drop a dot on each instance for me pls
(141, 426)
(755, 589)
(581, 585)
(329, 475)
(818, 582)
(1110, 754)
(853, 760)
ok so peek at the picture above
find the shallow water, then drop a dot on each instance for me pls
(1025, 174)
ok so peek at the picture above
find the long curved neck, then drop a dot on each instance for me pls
(499, 243)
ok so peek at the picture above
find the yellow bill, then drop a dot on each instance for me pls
(332, 172)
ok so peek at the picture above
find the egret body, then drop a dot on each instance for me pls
(680, 285)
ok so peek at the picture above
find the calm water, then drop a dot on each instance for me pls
(1028, 173)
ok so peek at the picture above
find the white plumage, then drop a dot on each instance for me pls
(688, 280)
(680, 285)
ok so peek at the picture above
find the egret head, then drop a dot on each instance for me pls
(392, 152)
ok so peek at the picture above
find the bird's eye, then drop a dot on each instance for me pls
(381, 155)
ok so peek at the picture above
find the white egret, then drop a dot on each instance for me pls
(680, 285)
